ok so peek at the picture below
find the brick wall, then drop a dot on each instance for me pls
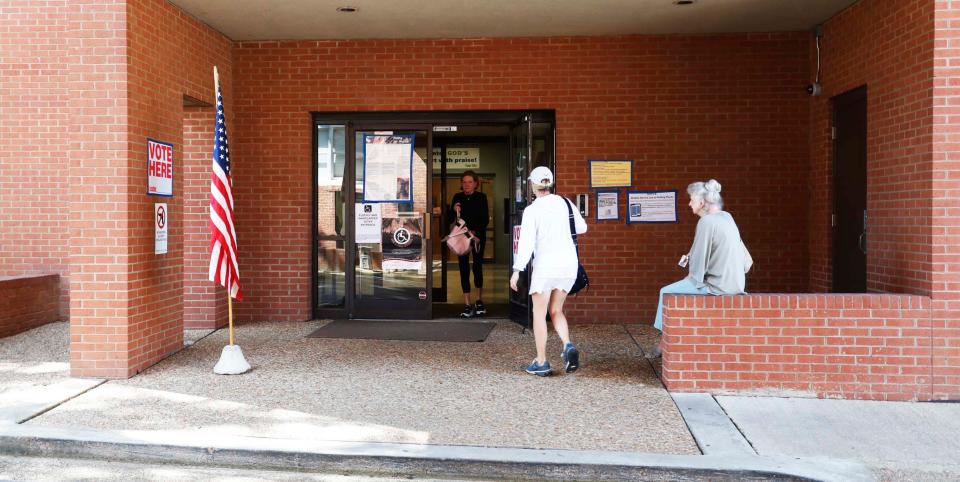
(89, 80)
(28, 302)
(685, 108)
(35, 130)
(204, 302)
(946, 191)
(886, 45)
(874, 347)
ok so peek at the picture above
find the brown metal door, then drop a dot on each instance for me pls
(850, 192)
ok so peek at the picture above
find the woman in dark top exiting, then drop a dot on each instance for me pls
(471, 206)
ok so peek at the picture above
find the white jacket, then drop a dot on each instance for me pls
(545, 235)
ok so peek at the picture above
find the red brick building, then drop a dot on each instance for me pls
(84, 84)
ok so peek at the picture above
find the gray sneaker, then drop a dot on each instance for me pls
(571, 358)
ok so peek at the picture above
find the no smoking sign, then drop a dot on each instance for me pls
(161, 218)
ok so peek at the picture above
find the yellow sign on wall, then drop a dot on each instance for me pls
(605, 174)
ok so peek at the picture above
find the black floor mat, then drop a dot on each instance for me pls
(461, 331)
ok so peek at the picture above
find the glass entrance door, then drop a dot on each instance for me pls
(531, 145)
(520, 152)
(391, 275)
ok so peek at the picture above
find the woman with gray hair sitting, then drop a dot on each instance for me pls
(718, 260)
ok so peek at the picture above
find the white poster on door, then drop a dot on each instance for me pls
(388, 162)
(367, 224)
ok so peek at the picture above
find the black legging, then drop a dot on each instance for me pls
(464, 262)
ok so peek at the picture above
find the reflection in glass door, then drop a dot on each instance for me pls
(330, 235)
(392, 230)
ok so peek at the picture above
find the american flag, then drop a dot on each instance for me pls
(224, 268)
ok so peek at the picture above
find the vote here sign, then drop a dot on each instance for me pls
(159, 168)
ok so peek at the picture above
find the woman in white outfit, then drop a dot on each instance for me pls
(545, 235)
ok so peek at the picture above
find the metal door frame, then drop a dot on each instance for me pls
(398, 121)
(421, 309)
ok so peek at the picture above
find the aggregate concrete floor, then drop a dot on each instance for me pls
(37, 357)
(394, 391)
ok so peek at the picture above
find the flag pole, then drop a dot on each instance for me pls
(216, 90)
(230, 313)
(231, 361)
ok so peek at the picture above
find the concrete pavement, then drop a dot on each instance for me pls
(917, 441)
(449, 411)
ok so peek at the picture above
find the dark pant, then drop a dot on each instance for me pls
(464, 262)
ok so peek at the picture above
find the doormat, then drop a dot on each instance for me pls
(458, 331)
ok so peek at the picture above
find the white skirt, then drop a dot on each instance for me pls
(546, 285)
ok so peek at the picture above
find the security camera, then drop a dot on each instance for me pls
(814, 89)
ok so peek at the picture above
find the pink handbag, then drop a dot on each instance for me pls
(460, 239)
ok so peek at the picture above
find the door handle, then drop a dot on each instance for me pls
(426, 225)
(861, 244)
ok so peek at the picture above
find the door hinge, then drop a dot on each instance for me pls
(833, 220)
(833, 133)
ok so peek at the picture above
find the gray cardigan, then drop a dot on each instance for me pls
(717, 257)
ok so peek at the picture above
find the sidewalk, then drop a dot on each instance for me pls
(437, 409)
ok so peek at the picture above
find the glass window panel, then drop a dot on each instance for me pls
(331, 255)
(323, 151)
(339, 150)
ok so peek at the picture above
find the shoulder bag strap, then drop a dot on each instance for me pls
(573, 230)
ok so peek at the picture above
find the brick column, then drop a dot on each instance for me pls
(98, 193)
(945, 249)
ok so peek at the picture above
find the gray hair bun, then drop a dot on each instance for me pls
(712, 193)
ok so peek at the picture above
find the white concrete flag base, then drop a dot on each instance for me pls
(231, 361)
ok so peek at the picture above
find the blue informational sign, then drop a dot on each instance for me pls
(652, 206)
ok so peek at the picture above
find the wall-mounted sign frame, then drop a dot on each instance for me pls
(652, 206)
(161, 219)
(608, 205)
(611, 174)
(159, 168)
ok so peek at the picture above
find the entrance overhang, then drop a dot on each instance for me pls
(253, 20)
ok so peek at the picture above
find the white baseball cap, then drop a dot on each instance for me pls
(541, 175)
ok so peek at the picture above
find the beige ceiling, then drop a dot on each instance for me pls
(319, 19)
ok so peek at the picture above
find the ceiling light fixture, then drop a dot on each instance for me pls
(347, 9)
(684, 2)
